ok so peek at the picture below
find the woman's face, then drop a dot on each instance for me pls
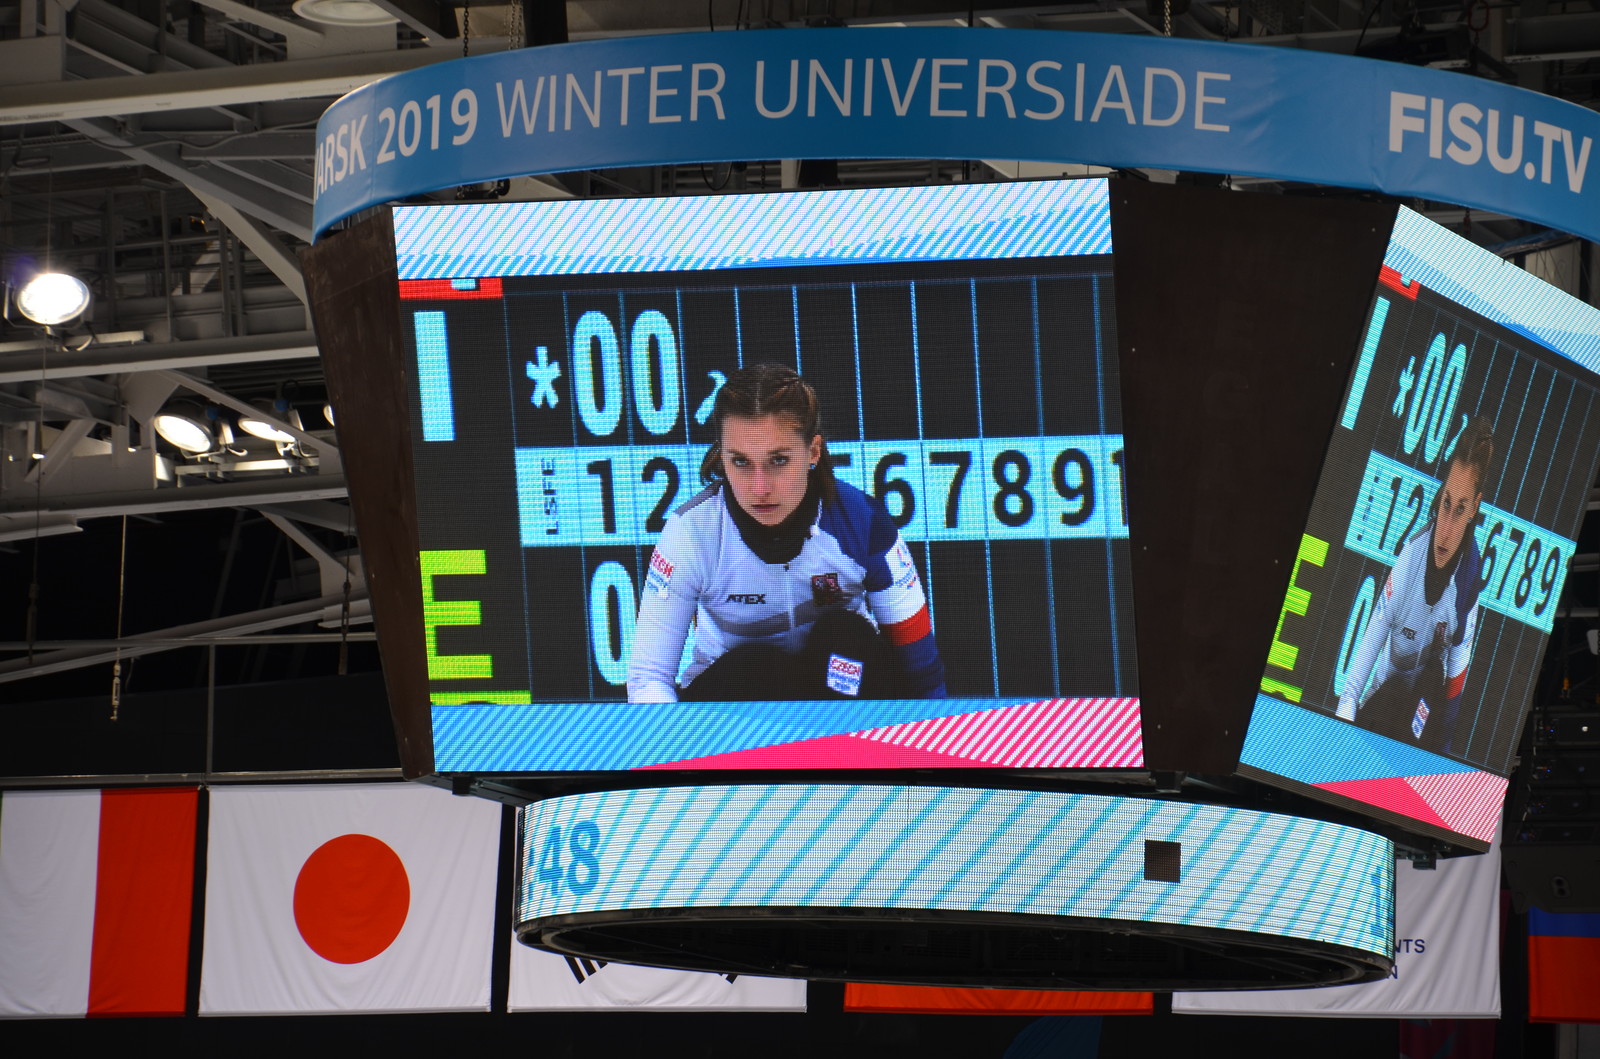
(1457, 511)
(766, 460)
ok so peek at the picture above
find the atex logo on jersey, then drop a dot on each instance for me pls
(747, 597)
(1469, 135)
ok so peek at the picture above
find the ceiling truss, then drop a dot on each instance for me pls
(164, 151)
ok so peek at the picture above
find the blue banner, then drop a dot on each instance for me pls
(1034, 95)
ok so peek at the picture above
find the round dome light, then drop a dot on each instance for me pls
(188, 434)
(343, 12)
(265, 431)
(52, 298)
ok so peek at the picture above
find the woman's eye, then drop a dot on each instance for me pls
(780, 461)
(739, 461)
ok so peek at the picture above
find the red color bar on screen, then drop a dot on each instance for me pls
(1386, 276)
(143, 903)
(445, 289)
(936, 1000)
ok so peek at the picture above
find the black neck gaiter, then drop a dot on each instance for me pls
(780, 543)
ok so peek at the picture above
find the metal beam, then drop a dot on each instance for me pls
(260, 19)
(257, 194)
(109, 97)
(268, 248)
(278, 206)
(61, 158)
(60, 450)
(435, 21)
(180, 779)
(162, 640)
(336, 517)
(221, 639)
(98, 360)
(17, 519)
(273, 144)
(27, 528)
(332, 571)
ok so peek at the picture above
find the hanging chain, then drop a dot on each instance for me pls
(466, 28)
(122, 578)
(1166, 18)
(344, 609)
(514, 28)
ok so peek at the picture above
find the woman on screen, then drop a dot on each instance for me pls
(797, 585)
(1427, 614)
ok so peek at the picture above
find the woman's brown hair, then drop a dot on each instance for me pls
(770, 390)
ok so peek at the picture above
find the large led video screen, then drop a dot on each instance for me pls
(801, 480)
(1430, 573)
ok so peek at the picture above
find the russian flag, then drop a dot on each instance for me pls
(1563, 966)
(96, 893)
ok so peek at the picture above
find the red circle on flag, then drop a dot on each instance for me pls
(351, 898)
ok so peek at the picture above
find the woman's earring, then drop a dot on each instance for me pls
(813, 466)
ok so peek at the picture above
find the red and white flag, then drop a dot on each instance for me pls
(542, 981)
(348, 899)
(96, 895)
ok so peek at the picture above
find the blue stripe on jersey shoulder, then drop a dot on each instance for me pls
(1467, 587)
(864, 530)
(699, 498)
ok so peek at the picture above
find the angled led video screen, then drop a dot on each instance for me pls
(1430, 572)
(581, 575)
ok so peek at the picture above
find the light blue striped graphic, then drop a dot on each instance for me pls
(1524, 566)
(962, 850)
(934, 223)
(1315, 748)
(433, 377)
(563, 497)
(1481, 282)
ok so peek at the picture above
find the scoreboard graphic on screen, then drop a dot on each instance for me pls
(1430, 572)
(962, 344)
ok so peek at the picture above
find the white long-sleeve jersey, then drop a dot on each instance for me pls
(702, 572)
(1416, 633)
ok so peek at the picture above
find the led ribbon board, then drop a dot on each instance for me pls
(565, 360)
(614, 867)
(953, 93)
(1454, 334)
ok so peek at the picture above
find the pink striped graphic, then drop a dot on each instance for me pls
(1468, 803)
(1054, 733)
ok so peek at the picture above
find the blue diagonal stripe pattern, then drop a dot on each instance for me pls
(576, 236)
(820, 846)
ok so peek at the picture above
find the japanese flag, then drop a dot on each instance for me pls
(348, 899)
(96, 896)
(543, 981)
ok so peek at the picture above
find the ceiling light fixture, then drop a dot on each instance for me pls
(268, 430)
(343, 13)
(53, 298)
(186, 432)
